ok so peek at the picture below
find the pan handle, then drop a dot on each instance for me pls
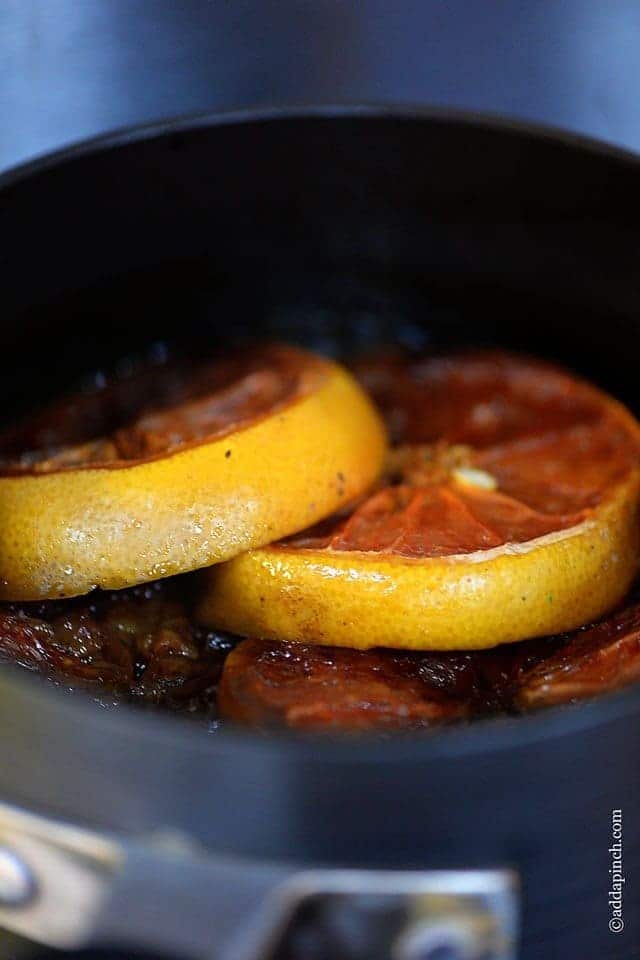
(72, 888)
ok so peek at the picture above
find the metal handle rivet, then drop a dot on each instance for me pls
(434, 941)
(17, 884)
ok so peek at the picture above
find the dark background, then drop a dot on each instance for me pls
(70, 69)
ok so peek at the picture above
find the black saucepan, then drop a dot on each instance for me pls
(337, 227)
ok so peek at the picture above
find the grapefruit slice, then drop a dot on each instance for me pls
(136, 645)
(595, 659)
(510, 511)
(267, 683)
(270, 684)
(179, 468)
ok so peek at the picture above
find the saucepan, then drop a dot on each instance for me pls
(339, 228)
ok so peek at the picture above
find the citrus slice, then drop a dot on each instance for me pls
(137, 645)
(601, 657)
(179, 468)
(268, 684)
(510, 511)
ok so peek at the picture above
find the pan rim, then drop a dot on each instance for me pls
(200, 120)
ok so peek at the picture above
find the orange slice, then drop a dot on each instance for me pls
(511, 511)
(178, 468)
